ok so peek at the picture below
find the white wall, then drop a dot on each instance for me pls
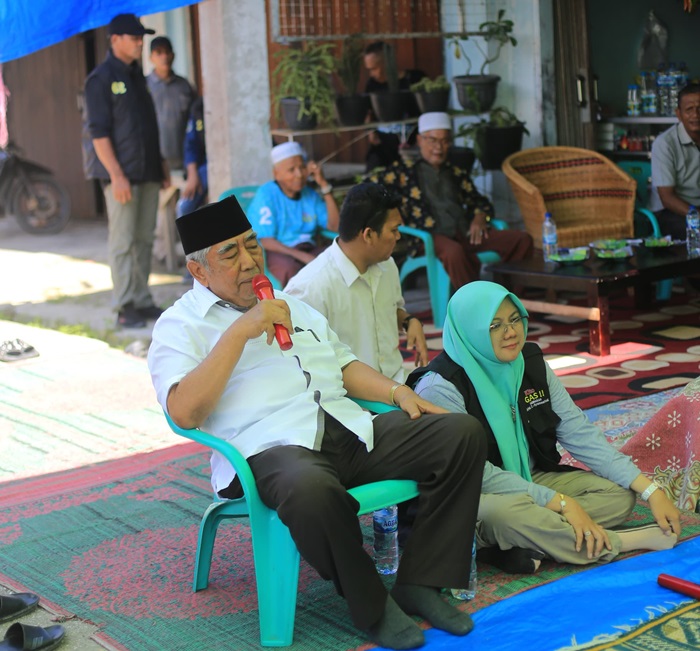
(236, 93)
(522, 87)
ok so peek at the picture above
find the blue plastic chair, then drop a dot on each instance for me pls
(275, 555)
(438, 280)
(640, 171)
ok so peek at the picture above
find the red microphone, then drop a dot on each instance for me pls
(263, 290)
(679, 585)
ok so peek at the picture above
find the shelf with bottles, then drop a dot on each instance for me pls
(630, 136)
(655, 92)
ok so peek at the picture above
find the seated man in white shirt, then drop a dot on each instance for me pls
(215, 364)
(355, 283)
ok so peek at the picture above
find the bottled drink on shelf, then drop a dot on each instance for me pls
(386, 540)
(468, 593)
(692, 230)
(673, 80)
(633, 100)
(681, 75)
(647, 90)
(549, 236)
(663, 82)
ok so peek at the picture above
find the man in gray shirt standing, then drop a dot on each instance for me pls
(172, 95)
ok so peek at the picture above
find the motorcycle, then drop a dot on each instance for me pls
(30, 192)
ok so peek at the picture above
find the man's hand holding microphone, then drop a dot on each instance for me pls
(263, 290)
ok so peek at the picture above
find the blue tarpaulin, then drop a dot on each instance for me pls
(30, 25)
(600, 603)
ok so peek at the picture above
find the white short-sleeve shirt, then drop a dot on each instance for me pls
(273, 397)
(360, 308)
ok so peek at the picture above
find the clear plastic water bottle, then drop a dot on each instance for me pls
(468, 593)
(692, 230)
(673, 82)
(634, 101)
(549, 236)
(386, 540)
(662, 90)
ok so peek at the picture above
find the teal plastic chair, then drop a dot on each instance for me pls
(640, 171)
(245, 194)
(438, 280)
(275, 555)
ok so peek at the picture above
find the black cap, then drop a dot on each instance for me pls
(161, 42)
(127, 24)
(214, 223)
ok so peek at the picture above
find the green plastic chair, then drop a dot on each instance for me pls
(245, 194)
(438, 280)
(275, 555)
(640, 171)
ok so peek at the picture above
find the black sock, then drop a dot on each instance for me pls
(426, 602)
(514, 561)
(395, 629)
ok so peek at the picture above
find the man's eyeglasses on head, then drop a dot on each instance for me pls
(502, 327)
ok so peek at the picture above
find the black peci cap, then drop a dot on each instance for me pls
(212, 224)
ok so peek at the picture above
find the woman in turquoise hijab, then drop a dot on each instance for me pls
(532, 506)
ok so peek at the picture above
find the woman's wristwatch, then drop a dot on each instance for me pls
(651, 488)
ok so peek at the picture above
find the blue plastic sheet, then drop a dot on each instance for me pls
(607, 600)
(30, 25)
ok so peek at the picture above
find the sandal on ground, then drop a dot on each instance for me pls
(15, 605)
(15, 349)
(23, 637)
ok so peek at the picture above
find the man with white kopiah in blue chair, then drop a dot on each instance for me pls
(287, 213)
(215, 364)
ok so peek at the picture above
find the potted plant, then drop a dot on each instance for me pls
(477, 93)
(305, 93)
(495, 138)
(432, 94)
(351, 106)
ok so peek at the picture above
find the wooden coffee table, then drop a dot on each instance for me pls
(598, 279)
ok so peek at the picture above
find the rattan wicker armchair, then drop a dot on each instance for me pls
(588, 195)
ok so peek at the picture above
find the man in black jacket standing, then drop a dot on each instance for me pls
(126, 159)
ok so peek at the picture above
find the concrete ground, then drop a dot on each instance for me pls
(62, 283)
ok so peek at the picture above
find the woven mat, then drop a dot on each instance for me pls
(114, 543)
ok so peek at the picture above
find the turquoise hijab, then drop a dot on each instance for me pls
(467, 340)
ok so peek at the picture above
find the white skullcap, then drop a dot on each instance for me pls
(285, 150)
(435, 120)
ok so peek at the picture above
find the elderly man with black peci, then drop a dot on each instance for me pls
(215, 364)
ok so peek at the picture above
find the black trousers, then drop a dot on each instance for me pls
(671, 224)
(444, 453)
